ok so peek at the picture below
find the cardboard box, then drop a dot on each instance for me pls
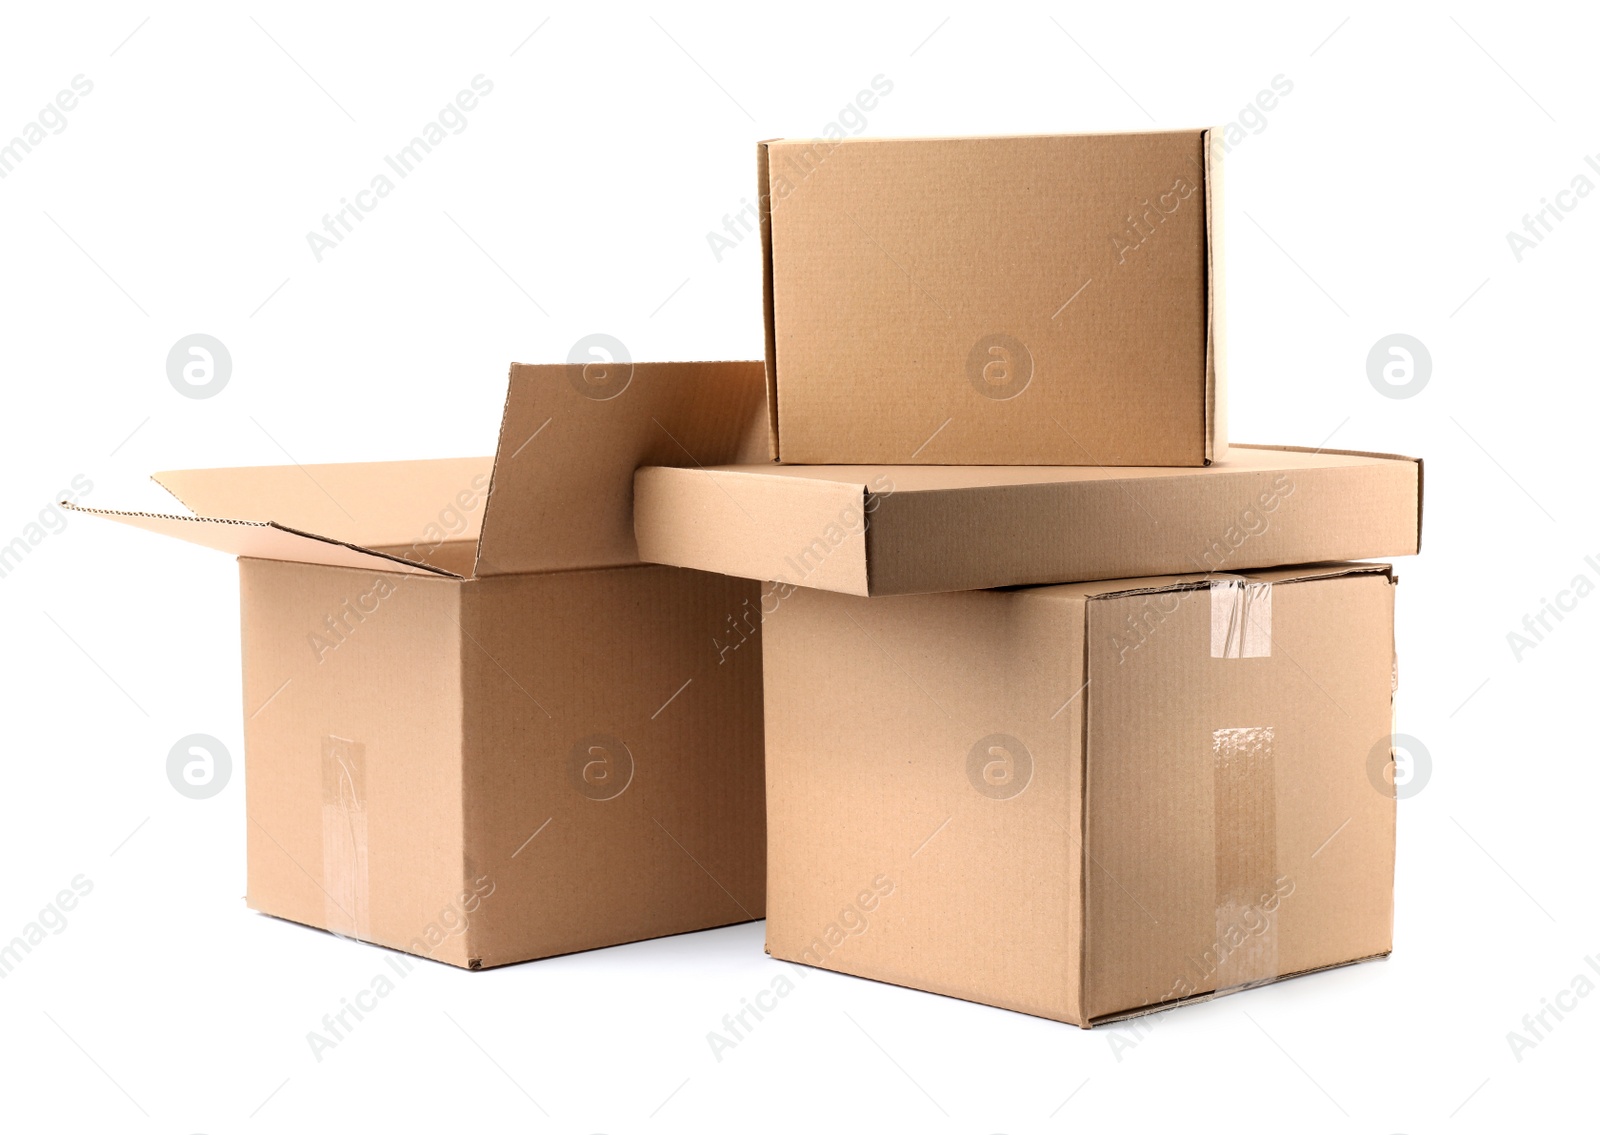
(1088, 801)
(455, 749)
(1045, 300)
(893, 530)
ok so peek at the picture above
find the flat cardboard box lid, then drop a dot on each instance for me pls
(890, 530)
(557, 495)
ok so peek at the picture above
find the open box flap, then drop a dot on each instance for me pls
(572, 436)
(394, 505)
(264, 540)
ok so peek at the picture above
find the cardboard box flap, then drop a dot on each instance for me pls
(369, 504)
(572, 435)
(265, 540)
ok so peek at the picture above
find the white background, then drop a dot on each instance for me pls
(177, 200)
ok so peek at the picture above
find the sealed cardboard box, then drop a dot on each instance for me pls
(1044, 300)
(1086, 801)
(469, 733)
(893, 530)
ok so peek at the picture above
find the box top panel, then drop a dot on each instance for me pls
(557, 496)
(891, 530)
(1039, 299)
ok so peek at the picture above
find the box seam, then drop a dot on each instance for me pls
(768, 300)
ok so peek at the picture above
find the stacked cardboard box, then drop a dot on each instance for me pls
(1058, 717)
(1066, 705)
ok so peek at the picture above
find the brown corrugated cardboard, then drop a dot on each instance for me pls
(487, 771)
(1042, 300)
(1084, 801)
(560, 489)
(453, 751)
(892, 530)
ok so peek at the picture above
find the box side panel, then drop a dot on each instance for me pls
(921, 773)
(803, 532)
(1233, 808)
(1028, 301)
(1223, 519)
(613, 744)
(352, 701)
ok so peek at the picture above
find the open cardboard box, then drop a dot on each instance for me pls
(1087, 801)
(476, 728)
(1038, 300)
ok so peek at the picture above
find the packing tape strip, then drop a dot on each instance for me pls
(346, 899)
(1241, 618)
(1246, 854)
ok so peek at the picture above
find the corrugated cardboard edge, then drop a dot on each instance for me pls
(1080, 995)
(764, 209)
(412, 566)
(648, 534)
(1216, 404)
(1299, 573)
(494, 468)
(1417, 461)
(1212, 995)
